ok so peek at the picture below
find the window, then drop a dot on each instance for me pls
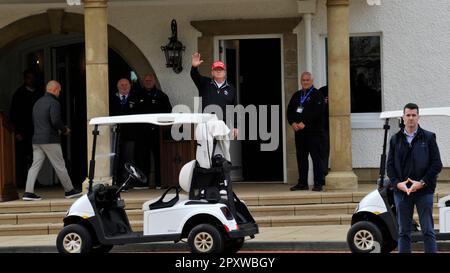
(365, 73)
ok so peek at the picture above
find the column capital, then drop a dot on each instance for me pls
(95, 3)
(337, 3)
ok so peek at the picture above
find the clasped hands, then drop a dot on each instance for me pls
(298, 126)
(415, 185)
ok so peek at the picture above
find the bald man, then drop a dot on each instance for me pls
(48, 127)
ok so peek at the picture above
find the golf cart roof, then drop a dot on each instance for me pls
(435, 111)
(157, 119)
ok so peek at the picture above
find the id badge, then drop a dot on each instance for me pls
(300, 109)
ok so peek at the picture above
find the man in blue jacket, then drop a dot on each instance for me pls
(413, 165)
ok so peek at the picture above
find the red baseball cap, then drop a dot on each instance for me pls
(218, 64)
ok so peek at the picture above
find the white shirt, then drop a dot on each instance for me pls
(409, 137)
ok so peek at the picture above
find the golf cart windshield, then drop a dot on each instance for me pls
(107, 130)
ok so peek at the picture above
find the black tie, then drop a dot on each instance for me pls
(123, 100)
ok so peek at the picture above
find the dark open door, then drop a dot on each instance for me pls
(260, 73)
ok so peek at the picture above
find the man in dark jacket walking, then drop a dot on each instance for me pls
(46, 142)
(413, 165)
(305, 113)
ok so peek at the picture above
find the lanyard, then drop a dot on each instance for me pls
(303, 98)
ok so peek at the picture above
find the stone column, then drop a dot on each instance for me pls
(307, 8)
(97, 99)
(341, 176)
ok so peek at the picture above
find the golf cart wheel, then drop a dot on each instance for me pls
(74, 239)
(205, 238)
(234, 245)
(364, 237)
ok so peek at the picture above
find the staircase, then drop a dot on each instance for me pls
(269, 210)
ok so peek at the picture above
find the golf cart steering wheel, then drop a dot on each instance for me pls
(135, 173)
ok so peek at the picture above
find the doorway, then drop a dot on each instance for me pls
(69, 70)
(65, 62)
(254, 67)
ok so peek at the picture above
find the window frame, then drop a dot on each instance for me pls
(368, 120)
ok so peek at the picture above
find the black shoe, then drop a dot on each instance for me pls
(299, 188)
(72, 194)
(317, 188)
(29, 196)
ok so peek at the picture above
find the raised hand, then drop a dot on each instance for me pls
(196, 60)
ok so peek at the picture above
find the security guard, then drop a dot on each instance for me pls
(215, 91)
(305, 114)
(152, 101)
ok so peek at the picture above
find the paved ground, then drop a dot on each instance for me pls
(313, 239)
(286, 238)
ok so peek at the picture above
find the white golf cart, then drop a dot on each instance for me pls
(210, 215)
(374, 226)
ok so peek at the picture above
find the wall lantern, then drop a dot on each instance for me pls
(173, 50)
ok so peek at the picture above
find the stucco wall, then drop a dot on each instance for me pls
(415, 58)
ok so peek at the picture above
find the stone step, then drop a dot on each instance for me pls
(309, 198)
(137, 225)
(257, 211)
(137, 214)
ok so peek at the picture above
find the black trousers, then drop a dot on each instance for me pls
(310, 144)
(148, 144)
(24, 158)
(126, 155)
(326, 151)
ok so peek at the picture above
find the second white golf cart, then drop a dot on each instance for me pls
(210, 215)
(374, 226)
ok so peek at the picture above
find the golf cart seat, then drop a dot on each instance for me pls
(186, 173)
(160, 203)
(204, 183)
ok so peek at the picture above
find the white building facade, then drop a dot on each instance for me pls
(412, 41)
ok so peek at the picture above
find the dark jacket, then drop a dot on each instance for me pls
(47, 120)
(419, 161)
(153, 101)
(128, 132)
(117, 108)
(22, 110)
(212, 94)
(326, 119)
(313, 111)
